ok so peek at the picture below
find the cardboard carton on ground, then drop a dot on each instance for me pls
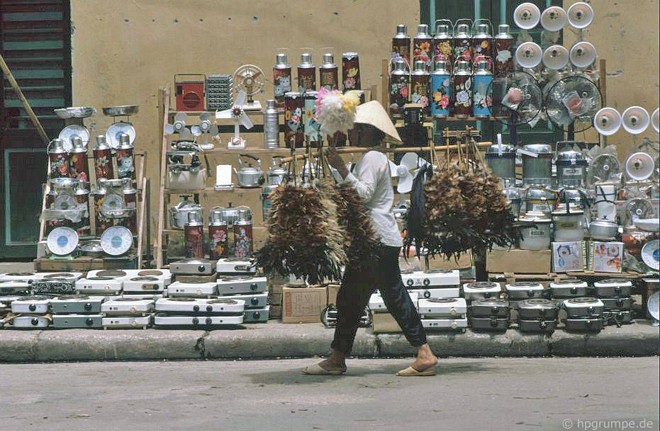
(384, 323)
(519, 261)
(303, 304)
(439, 262)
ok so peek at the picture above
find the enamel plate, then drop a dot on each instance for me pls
(112, 134)
(116, 240)
(62, 241)
(651, 254)
(72, 131)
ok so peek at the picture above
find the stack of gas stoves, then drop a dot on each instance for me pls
(237, 279)
(487, 311)
(615, 295)
(438, 298)
(13, 286)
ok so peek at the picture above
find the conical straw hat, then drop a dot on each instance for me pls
(374, 114)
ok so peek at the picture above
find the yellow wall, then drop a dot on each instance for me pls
(123, 51)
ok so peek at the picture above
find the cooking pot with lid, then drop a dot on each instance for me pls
(603, 230)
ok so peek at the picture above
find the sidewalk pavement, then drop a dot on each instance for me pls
(274, 340)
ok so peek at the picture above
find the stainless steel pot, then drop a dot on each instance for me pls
(604, 230)
(569, 288)
(498, 308)
(248, 175)
(577, 308)
(614, 287)
(537, 309)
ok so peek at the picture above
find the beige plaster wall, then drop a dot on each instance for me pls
(124, 50)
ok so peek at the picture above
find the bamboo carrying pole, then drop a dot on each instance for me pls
(26, 104)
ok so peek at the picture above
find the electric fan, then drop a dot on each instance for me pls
(640, 166)
(238, 115)
(516, 100)
(572, 102)
(607, 121)
(179, 127)
(655, 120)
(249, 79)
(205, 128)
(638, 208)
(408, 167)
(604, 168)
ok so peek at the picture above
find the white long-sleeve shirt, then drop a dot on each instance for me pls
(371, 178)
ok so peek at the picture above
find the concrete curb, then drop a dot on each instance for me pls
(277, 340)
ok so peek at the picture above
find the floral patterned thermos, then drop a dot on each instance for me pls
(503, 50)
(422, 46)
(399, 88)
(281, 79)
(442, 43)
(441, 90)
(481, 99)
(350, 71)
(419, 83)
(463, 90)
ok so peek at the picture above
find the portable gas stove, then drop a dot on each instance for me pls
(142, 284)
(453, 324)
(18, 276)
(116, 322)
(30, 305)
(442, 308)
(432, 278)
(125, 306)
(14, 287)
(257, 315)
(164, 320)
(114, 273)
(234, 265)
(78, 321)
(481, 290)
(228, 285)
(193, 306)
(78, 304)
(440, 292)
(100, 284)
(30, 322)
(569, 288)
(69, 276)
(53, 286)
(193, 267)
(199, 290)
(377, 304)
(525, 290)
(252, 301)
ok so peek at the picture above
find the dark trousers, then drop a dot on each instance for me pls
(356, 288)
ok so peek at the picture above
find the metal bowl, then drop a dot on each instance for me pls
(75, 112)
(116, 111)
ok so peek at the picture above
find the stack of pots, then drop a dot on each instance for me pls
(615, 293)
(583, 314)
(520, 291)
(537, 315)
(486, 311)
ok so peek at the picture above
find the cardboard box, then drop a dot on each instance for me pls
(519, 261)
(568, 256)
(438, 262)
(333, 290)
(303, 304)
(605, 256)
(384, 322)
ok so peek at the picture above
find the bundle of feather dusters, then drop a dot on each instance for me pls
(463, 209)
(313, 228)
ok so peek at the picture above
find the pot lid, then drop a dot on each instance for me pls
(569, 282)
(537, 303)
(483, 285)
(583, 301)
(536, 217)
(604, 223)
(443, 300)
(525, 285)
(500, 149)
(538, 148)
(491, 302)
(93, 246)
(613, 282)
(570, 155)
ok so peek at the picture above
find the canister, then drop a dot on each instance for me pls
(130, 202)
(81, 195)
(514, 199)
(59, 159)
(501, 159)
(271, 125)
(568, 223)
(540, 199)
(306, 73)
(294, 104)
(537, 164)
(441, 90)
(350, 71)
(79, 167)
(401, 44)
(125, 158)
(193, 232)
(329, 72)
(571, 169)
(422, 46)
(442, 43)
(310, 125)
(482, 43)
(462, 41)
(419, 83)
(537, 236)
(101, 223)
(103, 159)
(243, 239)
(281, 79)
(503, 50)
(399, 91)
(218, 234)
(462, 90)
(480, 98)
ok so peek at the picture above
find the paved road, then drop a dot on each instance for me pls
(467, 394)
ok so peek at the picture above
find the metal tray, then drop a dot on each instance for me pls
(75, 112)
(116, 111)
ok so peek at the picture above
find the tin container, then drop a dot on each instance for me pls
(218, 234)
(401, 45)
(462, 41)
(399, 91)
(281, 79)
(441, 90)
(501, 159)
(462, 90)
(480, 98)
(306, 73)
(350, 71)
(537, 170)
(329, 72)
(271, 125)
(482, 48)
(81, 195)
(130, 201)
(243, 239)
(540, 199)
(420, 82)
(101, 223)
(503, 50)
(125, 158)
(571, 169)
(79, 166)
(294, 105)
(103, 159)
(442, 43)
(59, 159)
(536, 237)
(193, 233)
(423, 47)
(310, 125)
